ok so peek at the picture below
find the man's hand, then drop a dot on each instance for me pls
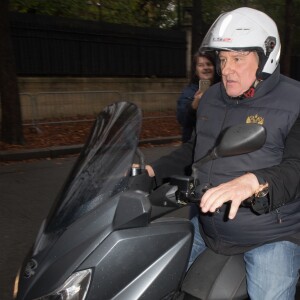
(148, 168)
(236, 191)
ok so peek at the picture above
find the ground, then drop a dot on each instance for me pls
(74, 133)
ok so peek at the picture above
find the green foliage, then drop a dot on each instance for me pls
(65, 8)
(213, 8)
(157, 13)
(138, 13)
(153, 13)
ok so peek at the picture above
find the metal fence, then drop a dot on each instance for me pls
(66, 107)
(154, 104)
(58, 107)
(55, 46)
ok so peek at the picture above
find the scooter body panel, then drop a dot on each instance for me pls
(158, 251)
(58, 261)
(141, 263)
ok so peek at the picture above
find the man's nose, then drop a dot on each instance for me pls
(227, 67)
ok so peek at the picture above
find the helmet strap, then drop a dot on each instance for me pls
(249, 93)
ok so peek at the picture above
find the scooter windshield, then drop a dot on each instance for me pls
(103, 167)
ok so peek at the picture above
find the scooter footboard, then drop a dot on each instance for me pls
(216, 277)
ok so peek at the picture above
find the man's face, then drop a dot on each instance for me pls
(238, 70)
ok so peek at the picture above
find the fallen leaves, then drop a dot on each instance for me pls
(74, 133)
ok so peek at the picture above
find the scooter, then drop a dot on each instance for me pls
(111, 235)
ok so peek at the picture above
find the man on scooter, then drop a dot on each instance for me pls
(253, 206)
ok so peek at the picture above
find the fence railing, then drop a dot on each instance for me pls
(154, 104)
(55, 46)
(63, 107)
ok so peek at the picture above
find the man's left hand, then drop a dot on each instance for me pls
(235, 191)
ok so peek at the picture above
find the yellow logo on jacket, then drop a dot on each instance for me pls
(255, 119)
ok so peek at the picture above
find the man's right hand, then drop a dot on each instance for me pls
(150, 171)
(148, 168)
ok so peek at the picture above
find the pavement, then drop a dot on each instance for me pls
(59, 151)
(27, 190)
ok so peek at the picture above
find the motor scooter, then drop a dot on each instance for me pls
(111, 235)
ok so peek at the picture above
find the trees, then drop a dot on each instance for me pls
(198, 25)
(11, 121)
(146, 13)
(288, 37)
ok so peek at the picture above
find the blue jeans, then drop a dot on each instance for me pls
(272, 269)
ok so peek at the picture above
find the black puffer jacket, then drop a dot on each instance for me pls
(276, 105)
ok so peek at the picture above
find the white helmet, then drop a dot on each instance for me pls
(249, 30)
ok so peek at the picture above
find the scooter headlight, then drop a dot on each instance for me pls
(74, 288)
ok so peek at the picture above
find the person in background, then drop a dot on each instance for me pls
(203, 68)
(252, 90)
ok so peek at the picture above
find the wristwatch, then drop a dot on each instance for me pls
(263, 188)
(260, 203)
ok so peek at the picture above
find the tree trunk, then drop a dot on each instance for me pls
(288, 38)
(198, 30)
(11, 119)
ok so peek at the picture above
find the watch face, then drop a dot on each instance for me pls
(262, 193)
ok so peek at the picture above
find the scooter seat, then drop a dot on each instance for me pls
(216, 277)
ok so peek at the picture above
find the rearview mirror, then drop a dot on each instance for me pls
(240, 139)
(237, 140)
